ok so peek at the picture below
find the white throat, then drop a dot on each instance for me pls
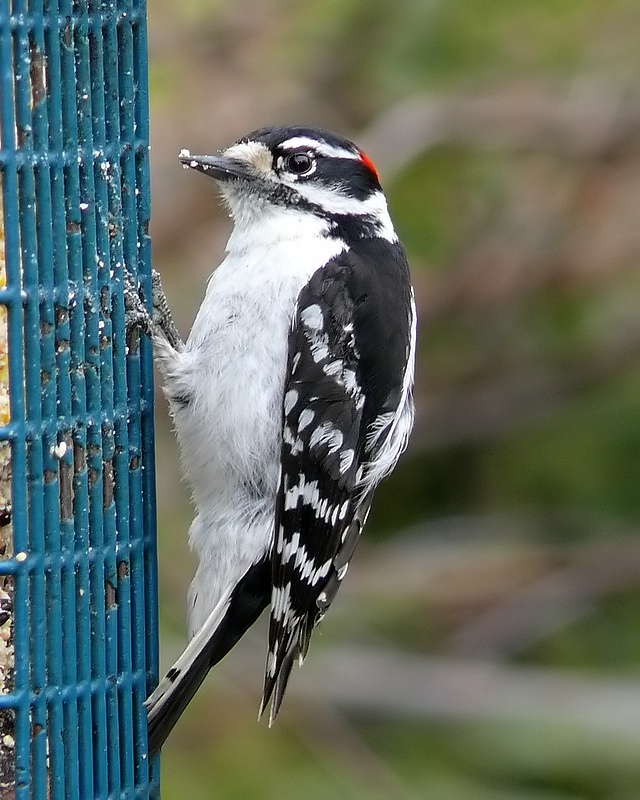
(260, 224)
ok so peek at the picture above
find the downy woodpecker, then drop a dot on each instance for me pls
(291, 398)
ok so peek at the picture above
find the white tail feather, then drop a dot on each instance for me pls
(180, 670)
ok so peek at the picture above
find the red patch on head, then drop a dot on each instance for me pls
(369, 163)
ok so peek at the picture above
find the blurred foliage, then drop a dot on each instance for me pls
(509, 138)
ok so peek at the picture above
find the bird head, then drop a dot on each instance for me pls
(299, 171)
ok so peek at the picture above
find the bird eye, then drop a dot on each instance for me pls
(299, 163)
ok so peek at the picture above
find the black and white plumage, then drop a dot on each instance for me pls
(292, 397)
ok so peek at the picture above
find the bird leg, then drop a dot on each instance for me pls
(160, 320)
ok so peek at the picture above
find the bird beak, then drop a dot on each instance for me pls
(221, 168)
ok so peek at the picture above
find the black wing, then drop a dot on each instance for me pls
(347, 367)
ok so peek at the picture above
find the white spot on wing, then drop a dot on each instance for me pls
(287, 436)
(311, 494)
(322, 572)
(306, 417)
(280, 605)
(291, 547)
(293, 494)
(319, 351)
(346, 460)
(312, 317)
(350, 381)
(333, 368)
(307, 492)
(307, 568)
(280, 540)
(327, 434)
(290, 399)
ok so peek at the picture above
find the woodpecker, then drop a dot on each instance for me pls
(292, 397)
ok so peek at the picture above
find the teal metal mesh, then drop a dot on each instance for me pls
(82, 576)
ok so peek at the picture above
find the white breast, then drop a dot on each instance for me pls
(232, 374)
(235, 360)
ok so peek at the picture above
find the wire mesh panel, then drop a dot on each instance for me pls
(78, 639)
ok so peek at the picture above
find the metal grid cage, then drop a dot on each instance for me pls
(78, 622)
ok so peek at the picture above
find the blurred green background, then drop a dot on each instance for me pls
(486, 643)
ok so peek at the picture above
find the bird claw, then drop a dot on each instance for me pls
(136, 314)
(162, 317)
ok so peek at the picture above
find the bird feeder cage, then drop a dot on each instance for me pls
(78, 622)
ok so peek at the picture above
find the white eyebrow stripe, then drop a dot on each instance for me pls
(320, 147)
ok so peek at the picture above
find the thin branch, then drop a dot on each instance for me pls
(389, 683)
(522, 619)
(585, 118)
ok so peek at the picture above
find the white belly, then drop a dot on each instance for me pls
(231, 376)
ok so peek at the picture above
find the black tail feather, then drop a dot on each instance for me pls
(246, 602)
